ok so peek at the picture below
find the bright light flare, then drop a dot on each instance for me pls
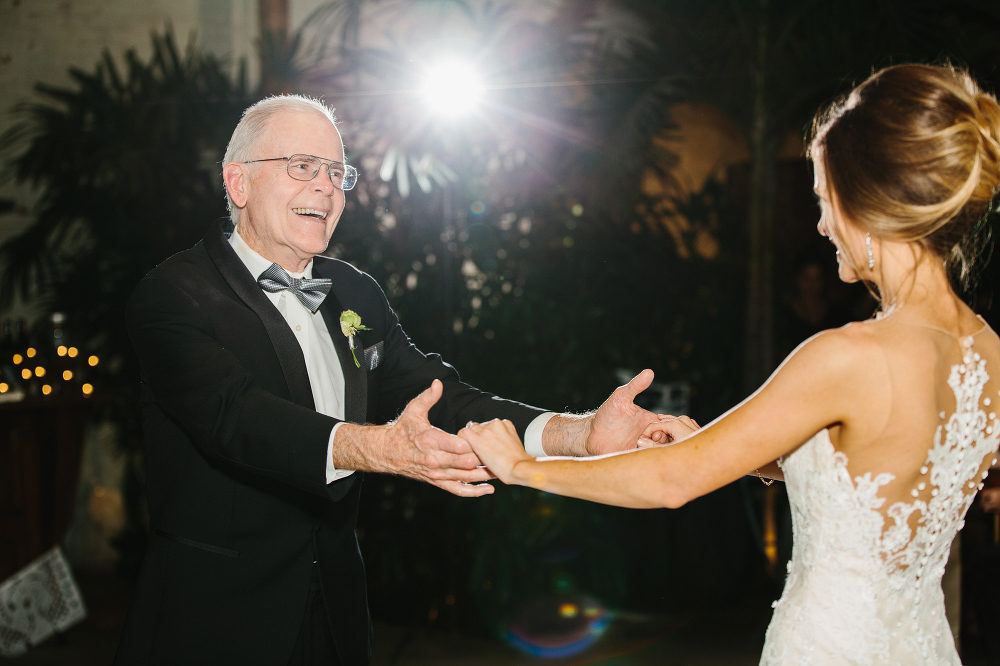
(452, 88)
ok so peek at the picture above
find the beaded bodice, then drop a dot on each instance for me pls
(864, 581)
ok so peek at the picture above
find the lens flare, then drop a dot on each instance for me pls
(558, 625)
(452, 88)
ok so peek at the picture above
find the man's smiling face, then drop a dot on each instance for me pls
(285, 220)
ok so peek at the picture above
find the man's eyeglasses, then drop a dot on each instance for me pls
(305, 167)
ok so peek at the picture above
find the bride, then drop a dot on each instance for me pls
(882, 430)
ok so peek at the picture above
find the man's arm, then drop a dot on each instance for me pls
(410, 446)
(223, 409)
(232, 419)
(615, 426)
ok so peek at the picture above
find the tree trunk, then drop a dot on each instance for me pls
(759, 338)
(273, 15)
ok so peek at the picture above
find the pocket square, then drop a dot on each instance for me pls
(373, 355)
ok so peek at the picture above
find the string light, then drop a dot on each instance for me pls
(17, 359)
(67, 375)
(61, 350)
(39, 371)
(4, 387)
(87, 389)
(72, 351)
(93, 360)
(26, 374)
(31, 352)
(46, 389)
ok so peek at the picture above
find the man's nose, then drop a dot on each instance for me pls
(323, 182)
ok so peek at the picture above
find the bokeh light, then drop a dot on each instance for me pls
(4, 387)
(87, 389)
(17, 359)
(67, 375)
(26, 374)
(452, 88)
(46, 389)
(31, 352)
(61, 350)
(93, 360)
(72, 352)
(39, 371)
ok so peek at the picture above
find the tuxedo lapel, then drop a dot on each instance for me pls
(355, 378)
(293, 363)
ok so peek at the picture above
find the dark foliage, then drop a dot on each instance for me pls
(127, 165)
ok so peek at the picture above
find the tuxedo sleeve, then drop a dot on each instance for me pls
(407, 371)
(203, 388)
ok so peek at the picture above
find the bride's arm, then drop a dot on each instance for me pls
(832, 379)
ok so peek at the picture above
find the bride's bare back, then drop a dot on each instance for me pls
(876, 504)
(933, 394)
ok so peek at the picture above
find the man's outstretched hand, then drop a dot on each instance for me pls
(410, 446)
(619, 422)
(615, 426)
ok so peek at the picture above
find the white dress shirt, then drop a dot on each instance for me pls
(326, 377)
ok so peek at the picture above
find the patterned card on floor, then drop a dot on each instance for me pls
(38, 601)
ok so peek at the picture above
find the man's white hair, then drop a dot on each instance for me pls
(253, 125)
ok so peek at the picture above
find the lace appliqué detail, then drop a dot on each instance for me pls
(864, 587)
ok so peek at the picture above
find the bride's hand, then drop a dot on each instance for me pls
(497, 445)
(668, 430)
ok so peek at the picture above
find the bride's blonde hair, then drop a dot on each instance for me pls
(913, 155)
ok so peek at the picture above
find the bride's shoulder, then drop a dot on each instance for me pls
(844, 349)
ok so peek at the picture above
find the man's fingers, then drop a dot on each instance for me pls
(638, 384)
(464, 489)
(422, 404)
(433, 440)
(449, 461)
(477, 475)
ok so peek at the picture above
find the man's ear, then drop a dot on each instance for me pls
(237, 182)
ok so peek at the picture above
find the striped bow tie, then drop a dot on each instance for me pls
(310, 292)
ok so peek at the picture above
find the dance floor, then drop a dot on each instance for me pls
(722, 636)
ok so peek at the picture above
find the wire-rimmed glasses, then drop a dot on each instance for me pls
(305, 167)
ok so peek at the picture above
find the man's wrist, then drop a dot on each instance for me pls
(362, 447)
(567, 434)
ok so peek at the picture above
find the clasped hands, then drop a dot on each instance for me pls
(460, 464)
(498, 446)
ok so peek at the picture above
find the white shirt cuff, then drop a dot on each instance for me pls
(533, 435)
(332, 473)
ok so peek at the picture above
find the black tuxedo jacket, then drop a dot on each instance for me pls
(235, 454)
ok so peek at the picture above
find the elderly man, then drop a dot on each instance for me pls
(264, 366)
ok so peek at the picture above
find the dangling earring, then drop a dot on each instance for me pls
(871, 254)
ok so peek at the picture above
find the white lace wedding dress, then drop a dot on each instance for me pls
(871, 537)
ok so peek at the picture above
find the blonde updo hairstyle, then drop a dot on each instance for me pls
(913, 155)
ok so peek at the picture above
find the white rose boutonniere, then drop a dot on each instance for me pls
(350, 324)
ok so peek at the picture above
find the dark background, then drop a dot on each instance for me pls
(539, 270)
